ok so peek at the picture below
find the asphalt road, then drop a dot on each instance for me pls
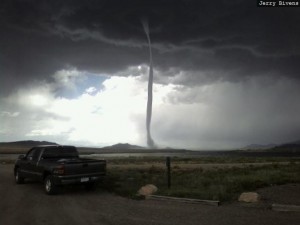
(27, 204)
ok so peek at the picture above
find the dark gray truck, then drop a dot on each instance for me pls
(57, 165)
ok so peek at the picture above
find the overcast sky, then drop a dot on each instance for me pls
(226, 73)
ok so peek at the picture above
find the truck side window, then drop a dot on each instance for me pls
(30, 154)
(36, 154)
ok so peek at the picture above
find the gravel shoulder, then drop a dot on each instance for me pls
(28, 205)
(283, 194)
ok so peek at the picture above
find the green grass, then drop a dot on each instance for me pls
(200, 160)
(218, 184)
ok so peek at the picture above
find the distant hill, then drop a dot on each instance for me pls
(292, 147)
(287, 147)
(27, 143)
(123, 146)
(257, 146)
(295, 142)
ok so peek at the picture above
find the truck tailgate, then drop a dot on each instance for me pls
(85, 166)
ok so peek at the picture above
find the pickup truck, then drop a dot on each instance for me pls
(57, 165)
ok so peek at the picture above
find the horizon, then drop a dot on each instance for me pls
(247, 147)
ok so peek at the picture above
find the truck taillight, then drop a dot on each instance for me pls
(60, 170)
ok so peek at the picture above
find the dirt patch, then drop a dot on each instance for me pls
(281, 194)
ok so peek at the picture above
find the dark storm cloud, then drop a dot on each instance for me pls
(226, 40)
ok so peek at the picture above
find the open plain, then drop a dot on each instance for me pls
(28, 205)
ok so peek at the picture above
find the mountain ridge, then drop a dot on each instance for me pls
(122, 146)
(291, 146)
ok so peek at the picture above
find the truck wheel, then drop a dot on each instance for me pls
(18, 178)
(50, 187)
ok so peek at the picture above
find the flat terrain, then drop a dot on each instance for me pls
(28, 205)
(186, 166)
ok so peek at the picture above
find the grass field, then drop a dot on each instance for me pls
(211, 178)
(13, 150)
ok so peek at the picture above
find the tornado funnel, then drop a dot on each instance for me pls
(150, 141)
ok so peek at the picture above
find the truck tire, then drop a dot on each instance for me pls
(50, 187)
(18, 178)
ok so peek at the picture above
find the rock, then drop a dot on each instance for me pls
(147, 190)
(250, 197)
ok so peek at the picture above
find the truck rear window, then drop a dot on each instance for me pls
(60, 152)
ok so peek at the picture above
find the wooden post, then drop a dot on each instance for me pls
(168, 164)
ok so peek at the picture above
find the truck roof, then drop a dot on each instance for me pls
(45, 146)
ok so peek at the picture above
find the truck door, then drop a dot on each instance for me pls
(32, 159)
(27, 161)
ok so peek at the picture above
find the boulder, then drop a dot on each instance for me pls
(250, 197)
(147, 190)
